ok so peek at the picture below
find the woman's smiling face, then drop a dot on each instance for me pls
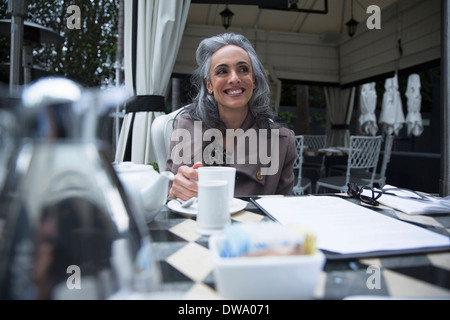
(231, 77)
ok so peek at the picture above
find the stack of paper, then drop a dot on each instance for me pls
(409, 203)
(344, 227)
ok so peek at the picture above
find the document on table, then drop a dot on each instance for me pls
(347, 228)
(403, 200)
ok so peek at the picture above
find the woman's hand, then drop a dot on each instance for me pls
(183, 187)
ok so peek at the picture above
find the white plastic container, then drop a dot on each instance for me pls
(267, 277)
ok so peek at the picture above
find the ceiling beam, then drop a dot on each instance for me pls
(258, 16)
(324, 9)
(306, 16)
(267, 4)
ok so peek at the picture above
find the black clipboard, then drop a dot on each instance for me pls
(372, 254)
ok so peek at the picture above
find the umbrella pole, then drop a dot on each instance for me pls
(27, 64)
(445, 100)
(17, 9)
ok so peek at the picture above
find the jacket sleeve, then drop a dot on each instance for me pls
(185, 144)
(286, 182)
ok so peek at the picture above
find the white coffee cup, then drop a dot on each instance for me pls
(219, 173)
(213, 206)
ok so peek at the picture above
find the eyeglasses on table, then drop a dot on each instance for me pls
(370, 195)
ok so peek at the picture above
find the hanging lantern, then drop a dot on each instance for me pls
(227, 15)
(351, 24)
(351, 27)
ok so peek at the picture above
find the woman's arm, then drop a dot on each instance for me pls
(184, 185)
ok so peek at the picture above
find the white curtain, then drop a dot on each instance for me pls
(339, 113)
(367, 104)
(414, 101)
(391, 116)
(153, 32)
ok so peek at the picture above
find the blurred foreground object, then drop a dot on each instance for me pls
(69, 231)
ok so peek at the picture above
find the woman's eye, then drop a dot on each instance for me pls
(243, 69)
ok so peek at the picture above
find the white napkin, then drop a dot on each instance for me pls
(404, 202)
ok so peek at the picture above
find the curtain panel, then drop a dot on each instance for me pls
(153, 32)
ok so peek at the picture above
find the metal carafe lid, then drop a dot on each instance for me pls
(58, 108)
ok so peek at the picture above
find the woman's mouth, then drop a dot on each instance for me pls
(233, 92)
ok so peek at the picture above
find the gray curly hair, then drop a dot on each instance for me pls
(204, 106)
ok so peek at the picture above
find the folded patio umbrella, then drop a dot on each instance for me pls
(414, 100)
(368, 103)
(392, 117)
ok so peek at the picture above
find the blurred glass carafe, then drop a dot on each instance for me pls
(69, 230)
(9, 130)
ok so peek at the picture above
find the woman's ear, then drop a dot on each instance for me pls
(209, 86)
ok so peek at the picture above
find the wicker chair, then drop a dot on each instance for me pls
(363, 154)
(365, 175)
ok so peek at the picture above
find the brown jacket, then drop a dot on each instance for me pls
(249, 178)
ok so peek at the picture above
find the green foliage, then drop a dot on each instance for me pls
(86, 53)
(287, 118)
(320, 117)
(316, 96)
(155, 166)
(288, 94)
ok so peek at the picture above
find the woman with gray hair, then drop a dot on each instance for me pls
(231, 110)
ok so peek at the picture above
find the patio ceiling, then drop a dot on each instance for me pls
(312, 45)
(321, 17)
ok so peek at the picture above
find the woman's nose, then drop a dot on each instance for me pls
(234, 77)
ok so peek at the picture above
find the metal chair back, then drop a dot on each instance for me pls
(302, 183)
(363, 154)
(315, 142)
(389, 141)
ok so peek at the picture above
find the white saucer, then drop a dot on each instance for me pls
(191, 212)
